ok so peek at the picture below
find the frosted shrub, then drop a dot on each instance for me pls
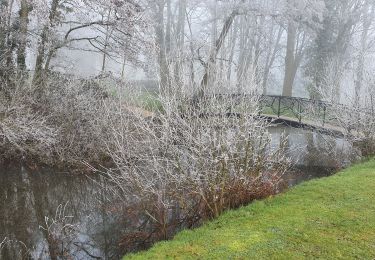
(192, 161)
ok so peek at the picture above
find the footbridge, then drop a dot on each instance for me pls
(317, 115)
(304, 113)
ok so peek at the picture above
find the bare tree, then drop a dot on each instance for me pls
(367, 21)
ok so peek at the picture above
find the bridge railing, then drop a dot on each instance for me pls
(314, 111)
(300, 109)
(308, 111)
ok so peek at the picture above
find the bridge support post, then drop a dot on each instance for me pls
(278, 110)
(324, 115)
(299, 112)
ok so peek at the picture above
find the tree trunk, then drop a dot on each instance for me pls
(7, 47)
(22, 43)
(10, 39)
(192, 54)
(271, 59)
(38, 74)
(290, 60)
(160, 38)
(180, 38)
(123, 68)
(168, 28)
(3, 29)
(361, 60)
(233, 46)
(245, 51)
(258, 51)
(218, 44)
(107, 35)
(39, 64)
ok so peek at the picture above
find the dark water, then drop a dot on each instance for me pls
(37, 208)
(45, 213)
(313, 155)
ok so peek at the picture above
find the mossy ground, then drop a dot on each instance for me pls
(329, 218)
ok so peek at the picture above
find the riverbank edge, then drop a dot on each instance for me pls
(329, 218)
(80, 167)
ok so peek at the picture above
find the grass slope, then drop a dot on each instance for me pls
(329, 218)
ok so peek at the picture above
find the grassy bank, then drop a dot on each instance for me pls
(329, 218)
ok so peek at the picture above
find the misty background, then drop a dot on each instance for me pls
(287, 47)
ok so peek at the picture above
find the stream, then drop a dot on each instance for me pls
(37, 204)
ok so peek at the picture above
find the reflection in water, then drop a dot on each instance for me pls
(78, 223)
(314, 155)
(84, 223)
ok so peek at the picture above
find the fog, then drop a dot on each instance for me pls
(309, 48)
(174, 102)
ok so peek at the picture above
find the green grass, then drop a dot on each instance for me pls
(329, 218)
(318, 116)
(150, 102)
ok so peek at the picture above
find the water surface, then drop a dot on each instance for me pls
(44, 210)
